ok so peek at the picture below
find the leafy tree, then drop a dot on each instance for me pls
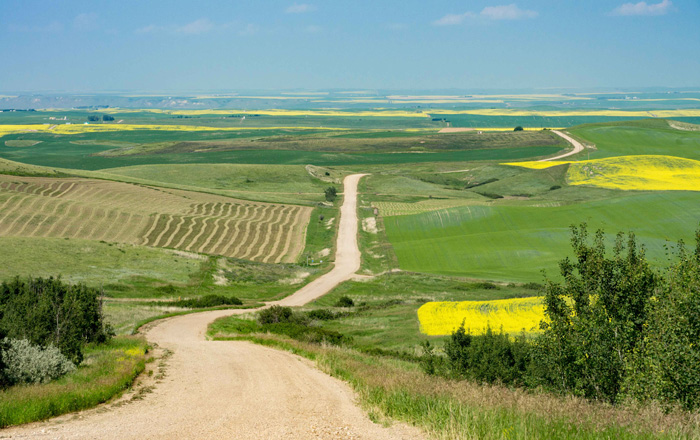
(93, 118)
(107, 118)
(331, 193)
(596, 318)
(47, 311)
(665, 365)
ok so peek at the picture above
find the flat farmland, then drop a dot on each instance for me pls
(141, 215)
(514, 243)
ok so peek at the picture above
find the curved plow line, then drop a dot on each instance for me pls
(175, 232)
(190, 230)
(252, 238)
(98, 196)
(72, 221)
(38, 212)
(228, 243)
(224, 235)
(102, 218)
(290, 235)
(211, 235)
(79, 193)
(244, 235)
(46, 187)
(131, 234)
(23, 214)
(65, 214)
(31, 188)
(206, 232)
(14, 208)
(52, 215)
(56, 190)
(156, 218)
(105, 226)
(299, 235)
(67, 190)
(256, 237)
(193, 209)
(237, 230)
(9, 199)
(84, 223)
(4, 185)
(166, 228)
(214, 209)
(199, 234)
(118, 236)
(268, 234)
(289, 214)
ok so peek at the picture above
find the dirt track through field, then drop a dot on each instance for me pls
(578, 146)
(236, 390)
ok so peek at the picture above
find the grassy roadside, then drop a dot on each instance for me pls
(393, 389)
(105, 373)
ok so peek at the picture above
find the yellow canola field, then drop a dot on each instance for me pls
(513, 315)
(101, 128)
(644, 172)
(563, 113)
(278, 112)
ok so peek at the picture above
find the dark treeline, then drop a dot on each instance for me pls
(614, 330)
(47, 311)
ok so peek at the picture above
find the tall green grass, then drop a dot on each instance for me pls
(106, 371)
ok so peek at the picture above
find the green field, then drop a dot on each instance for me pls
(514, 243)
(640, 137)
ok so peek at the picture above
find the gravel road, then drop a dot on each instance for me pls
(236, 390)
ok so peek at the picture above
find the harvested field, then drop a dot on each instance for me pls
(126, 213)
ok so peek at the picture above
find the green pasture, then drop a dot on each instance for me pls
(515, 243)
(640, 137)
(281, 183)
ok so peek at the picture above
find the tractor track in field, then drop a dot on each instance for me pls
(225, 389)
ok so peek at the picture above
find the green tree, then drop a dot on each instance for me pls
(331, 193)
(666, 365)
(518, 128)
(596, 318)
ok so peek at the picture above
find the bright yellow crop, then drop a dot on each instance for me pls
(280, 112)
(513, 315)
(564, 113)
(100, 128)
(645, 172)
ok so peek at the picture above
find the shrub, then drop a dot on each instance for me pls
(47, 311)
(321, 314)
(301, 332)
(486, 286)
(331, 193)
(27, 363)
(518, 128)
(344, 301)
(208, 301)
(553, 187)
(491, 357)
(533, 286)
(275, 314)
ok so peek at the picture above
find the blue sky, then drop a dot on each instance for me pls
(203, 45)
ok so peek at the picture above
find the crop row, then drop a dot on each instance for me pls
(117, 212)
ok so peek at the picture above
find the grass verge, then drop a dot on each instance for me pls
(393, 389)
(107, 370)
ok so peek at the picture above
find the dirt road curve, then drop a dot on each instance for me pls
(578, 147)
(235, 390)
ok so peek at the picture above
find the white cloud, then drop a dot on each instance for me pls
(503, 12)
(86, 22)
(300, 8)
(200, 26)
(452, 19)
(642, 8)
(507, 12)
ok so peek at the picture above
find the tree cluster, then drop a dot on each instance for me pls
(615, 329)
(47, 311)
